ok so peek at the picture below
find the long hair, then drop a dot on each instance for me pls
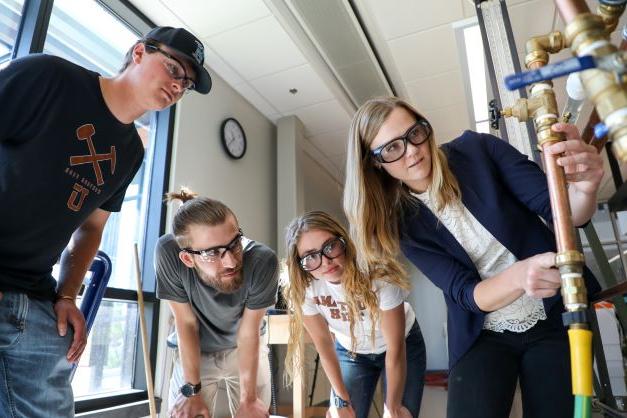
(195, 211)
(374, 200)
(357, 285)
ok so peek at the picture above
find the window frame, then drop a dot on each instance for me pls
(31, 37)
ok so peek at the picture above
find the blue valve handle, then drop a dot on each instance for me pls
(549, 72)
(600, 130)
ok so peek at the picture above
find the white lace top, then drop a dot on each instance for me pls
(490, 257)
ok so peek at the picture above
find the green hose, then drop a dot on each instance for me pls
(582, 406)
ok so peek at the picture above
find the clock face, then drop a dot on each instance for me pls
(233, 138)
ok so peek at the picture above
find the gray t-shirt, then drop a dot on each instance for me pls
(218, 314)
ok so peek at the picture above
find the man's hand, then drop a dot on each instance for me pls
(347, 412)
(68, 313)
(400, 412)
(192, 407)
(252, 409)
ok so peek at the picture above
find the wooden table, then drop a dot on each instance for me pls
(278, 332)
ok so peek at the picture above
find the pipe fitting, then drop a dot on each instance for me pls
(539, 47)
(574, 292)
(610, 14)
(584, 29)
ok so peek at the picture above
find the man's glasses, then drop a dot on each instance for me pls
(394, 149)
(215, 254)
(175, 68)
(331, 249)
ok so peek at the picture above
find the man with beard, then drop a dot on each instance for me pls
(219, 285)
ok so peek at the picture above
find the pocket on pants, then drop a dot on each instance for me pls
(13, 308)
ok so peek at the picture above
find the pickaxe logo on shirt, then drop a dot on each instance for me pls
(85, 133)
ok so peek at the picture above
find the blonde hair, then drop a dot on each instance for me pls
(195, 211)
(374, 200)
(357, 285)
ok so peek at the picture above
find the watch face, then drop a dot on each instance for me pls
(233, 138)
(188, 389)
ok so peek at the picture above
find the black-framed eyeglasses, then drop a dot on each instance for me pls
(394, 149)
(175, 68)
(215, 254)
(331, 249)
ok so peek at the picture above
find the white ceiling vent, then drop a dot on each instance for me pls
(330, 35)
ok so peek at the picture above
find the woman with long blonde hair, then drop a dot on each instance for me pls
(467, 214)
(375, 330)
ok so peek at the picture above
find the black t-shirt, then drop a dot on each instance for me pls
(62, 155)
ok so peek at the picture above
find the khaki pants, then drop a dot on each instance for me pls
(219, 374)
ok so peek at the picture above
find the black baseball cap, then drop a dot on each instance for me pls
(189, 47)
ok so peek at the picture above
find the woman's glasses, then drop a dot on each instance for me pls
(331, 249)
(394, 149)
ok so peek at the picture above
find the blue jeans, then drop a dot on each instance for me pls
(34, 373)
(361, 372)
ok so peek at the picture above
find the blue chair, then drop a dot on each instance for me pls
(95, 287)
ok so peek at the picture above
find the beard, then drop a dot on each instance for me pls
(220, 284)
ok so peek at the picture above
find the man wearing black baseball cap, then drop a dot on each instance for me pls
(68, 151)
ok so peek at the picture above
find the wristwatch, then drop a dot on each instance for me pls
(338, 402)
(188, 389)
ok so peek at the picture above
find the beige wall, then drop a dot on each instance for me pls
(248, 185)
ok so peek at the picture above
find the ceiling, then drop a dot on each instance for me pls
(251, 45)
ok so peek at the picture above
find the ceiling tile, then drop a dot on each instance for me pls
(331, 143)
(323, 117)
(425, 53)
(442, 90)
(257, 49)
(255, 99)
(275, 88)
(397, 18)
(224, 70)
(157, 12)
(208, 18)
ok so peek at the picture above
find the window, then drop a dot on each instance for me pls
(10, 15)
(474, 72)
(96, 34)
(108, 362)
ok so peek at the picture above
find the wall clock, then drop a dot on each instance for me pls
(233, 138)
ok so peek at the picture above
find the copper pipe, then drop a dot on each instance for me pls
(541, 106)
(560, 205)
(569, 9)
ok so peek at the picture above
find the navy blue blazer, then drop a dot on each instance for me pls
(507, 194)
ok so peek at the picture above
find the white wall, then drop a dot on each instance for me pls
(248, 185)
(428, 303)
(322, 191)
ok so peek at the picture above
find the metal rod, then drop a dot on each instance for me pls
(144, 335)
